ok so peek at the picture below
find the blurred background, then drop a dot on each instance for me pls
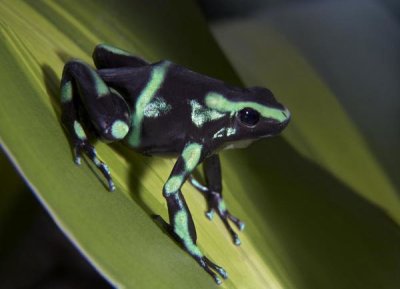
(352, 47)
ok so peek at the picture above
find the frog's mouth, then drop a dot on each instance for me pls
(277, 127)
(241, 144)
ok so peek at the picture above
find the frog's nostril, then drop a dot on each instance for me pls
(286, 112)
(287, 115)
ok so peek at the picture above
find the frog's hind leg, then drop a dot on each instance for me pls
(83, 92)
(107, 56)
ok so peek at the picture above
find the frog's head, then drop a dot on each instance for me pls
(254, 114)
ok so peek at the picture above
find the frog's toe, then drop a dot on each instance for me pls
(77, 155)
(195, 183)
(235, 237)
(236, 221)
(217, 204)
(210, 267)
(210, 214)
(89, 150)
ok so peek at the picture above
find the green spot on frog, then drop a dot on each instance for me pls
(100, 86)
(221, 206)
(80, 133)
(224, 132)
(173, 184)
(181, 228)
(66, 92)
(119, 129)
(191, 155)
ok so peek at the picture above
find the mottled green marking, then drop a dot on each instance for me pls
(156, 108)
(220, 103)
(201, 114)
(66, 92)
(191, 156)
(173, 185)
(181, 228)
(230, 131)
(119, 129)
(219, 133)
(80, 133)
(224, 132)
(149, 91)
(114, 50)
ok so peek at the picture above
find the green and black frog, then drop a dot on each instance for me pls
(164, 108)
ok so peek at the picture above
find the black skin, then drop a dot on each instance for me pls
(94, 99)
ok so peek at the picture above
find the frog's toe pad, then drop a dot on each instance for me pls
(239, 224)
(210, 214)
(90, 152)
(237, 241)
(77, 160)
(210, 267)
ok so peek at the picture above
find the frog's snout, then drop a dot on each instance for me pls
(286, 113)
(287, 116)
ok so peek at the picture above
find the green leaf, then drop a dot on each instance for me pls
(304, 228)
(114, 230)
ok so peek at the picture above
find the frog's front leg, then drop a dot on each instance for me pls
(84, 92)
(181, 222)
(213, 194)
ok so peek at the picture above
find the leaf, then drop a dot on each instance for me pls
(299, 232)
(321, 130)
(114, 230)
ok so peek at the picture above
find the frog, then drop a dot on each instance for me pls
(164, 108)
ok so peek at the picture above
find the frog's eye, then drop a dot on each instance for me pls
(249, 116)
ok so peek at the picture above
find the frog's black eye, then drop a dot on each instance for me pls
(249, 116)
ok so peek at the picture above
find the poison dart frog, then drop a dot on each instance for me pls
(165, 108)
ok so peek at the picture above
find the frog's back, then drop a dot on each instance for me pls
(162, 97)
(162, 113)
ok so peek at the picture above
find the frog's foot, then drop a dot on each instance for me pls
(86, 148)
(194, 251)
(208, 266)
(217, 204)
